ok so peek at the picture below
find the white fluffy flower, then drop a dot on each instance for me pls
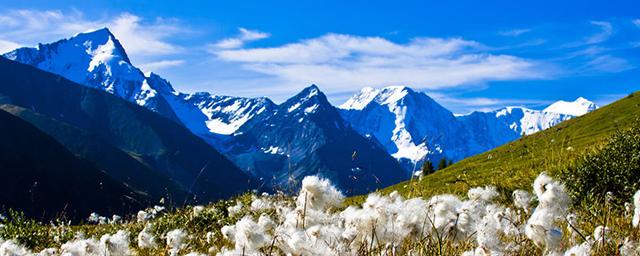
(11, 248)
(486, 193)
(142, 216)
(636, 212)
(236, 209)
(319, 194)
(145, 238)
(602, 233)
(197, 210)
(522, 200)
(583, 249)
(116, 244)
(175, 239)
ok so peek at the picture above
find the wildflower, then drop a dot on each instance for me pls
(234, 210)
(486, 194)
(260, 204)
(175, 240)
(116, 244)
(142, 216)
(601, 234)
(115, 219)
(522, 200)
(80, 247)
(629, 248)
(145, 238)
(197, 210)
(12, 248)
(636, 211)
(583, 249)
(318, 194)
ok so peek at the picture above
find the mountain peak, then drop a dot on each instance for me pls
(578, 107)
(95, 39)
(382, 96)
(310, 98)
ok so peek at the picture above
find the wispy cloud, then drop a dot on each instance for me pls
(141, 38)
(7, 46)
(483, 103)
(514, 32)
(608, 63)
(246, 35)
(341, 62)
(606, 30)
(636, 22)
(159, 65)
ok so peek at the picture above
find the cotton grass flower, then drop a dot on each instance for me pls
(175, 240)
(116, 244)
(146, 239)
(636, 211)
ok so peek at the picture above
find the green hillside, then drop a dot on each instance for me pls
(516, 164)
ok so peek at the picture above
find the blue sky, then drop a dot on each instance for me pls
(471, 55)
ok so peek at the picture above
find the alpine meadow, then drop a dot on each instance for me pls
(319, 128)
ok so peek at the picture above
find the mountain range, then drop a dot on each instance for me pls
(377, 138)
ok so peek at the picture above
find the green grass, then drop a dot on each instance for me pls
(516, 164)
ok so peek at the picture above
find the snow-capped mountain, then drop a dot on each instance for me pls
(226, 114)
(494, 128)
(98, 60)
(578, 107)
(302, 136)
(410, 125)
(305, 135)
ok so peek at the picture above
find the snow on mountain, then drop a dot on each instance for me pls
(578, 107)
(494, 128)
(98, 60)
(226, 114)
(410, 125)
(278, 143)
(306, 135)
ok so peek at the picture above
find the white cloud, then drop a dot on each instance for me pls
(608, 63)
(7, 46)
(159, 65)
(636, 22)
(140, 38)
(606, 30)
(340, 63)
(515, 32)
(246, 35)
(486, 104)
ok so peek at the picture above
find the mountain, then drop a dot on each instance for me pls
(410, 125)
(578, 107)
(236, 126)
(306, 135)
(516, 164)
(45, 180)
(498, 127)
(98, 60)
(115, 134)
